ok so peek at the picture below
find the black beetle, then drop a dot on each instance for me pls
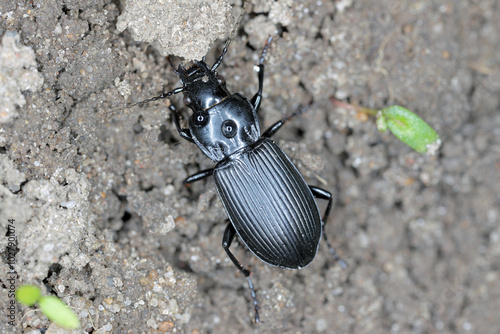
(270, 206)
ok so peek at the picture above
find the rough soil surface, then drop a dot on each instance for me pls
(102, 218)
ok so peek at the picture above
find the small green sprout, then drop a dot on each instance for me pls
(58, 312)
(404, 124)
(410, 129)
(28, 294)
(51, 306)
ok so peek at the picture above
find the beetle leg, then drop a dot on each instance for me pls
(323, 194)
(199, 176)
(183, 132)
(276, 126)
(227, 239)
(257, 98)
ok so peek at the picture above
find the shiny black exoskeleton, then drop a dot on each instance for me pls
(270, 206)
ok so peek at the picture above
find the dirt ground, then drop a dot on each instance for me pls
(102, 218)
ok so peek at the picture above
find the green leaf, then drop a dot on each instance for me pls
(28, 294)
(59, 312)
(411, 129)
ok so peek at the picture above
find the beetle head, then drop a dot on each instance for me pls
(225, 128)
(202, 87)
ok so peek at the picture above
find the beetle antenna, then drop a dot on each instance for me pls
(141, 103)
(231, 35)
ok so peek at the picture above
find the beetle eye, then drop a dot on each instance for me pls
(221, 80)
(187, 100)
(229, 128)
(200, 119)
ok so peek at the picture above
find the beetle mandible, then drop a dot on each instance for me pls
(270, 206)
